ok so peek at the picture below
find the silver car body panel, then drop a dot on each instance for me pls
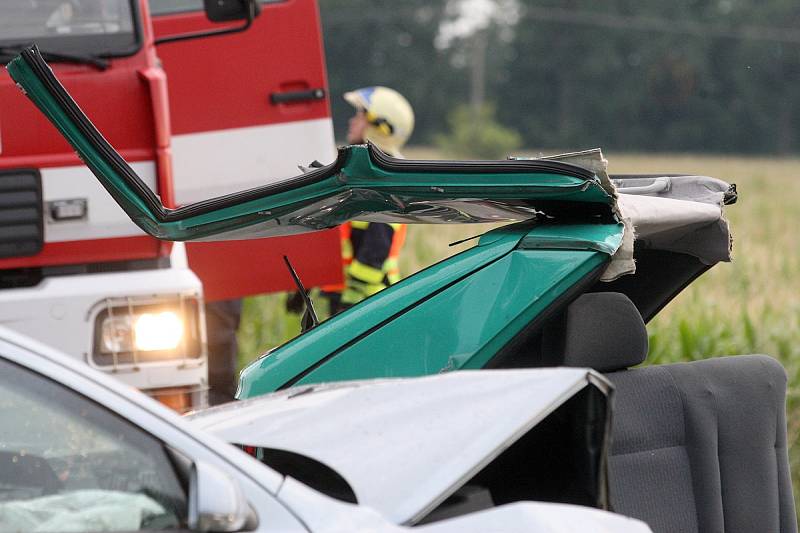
(403, 445)
(334, 516)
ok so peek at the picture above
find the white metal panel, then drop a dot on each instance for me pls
(323, 515)
(60, 312)
(403, 445)
(244, 158)
(540, 517)
(105, 219)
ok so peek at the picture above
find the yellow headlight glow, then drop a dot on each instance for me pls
(158, 331)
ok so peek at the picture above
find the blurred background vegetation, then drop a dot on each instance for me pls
(686, 75)
(696, 86)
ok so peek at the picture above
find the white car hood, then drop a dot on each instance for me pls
(403, 445)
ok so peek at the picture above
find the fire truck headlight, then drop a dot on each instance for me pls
(116, 335)
(149, 332)
(157, 331)
(144, 332)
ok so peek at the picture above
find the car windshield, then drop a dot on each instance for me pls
(69, 464)
(93, 27)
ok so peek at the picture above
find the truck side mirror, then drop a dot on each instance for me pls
(221, 11)
(227, 10)
(217, 502)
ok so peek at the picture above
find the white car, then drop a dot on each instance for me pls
(81, 452)
(424, 449)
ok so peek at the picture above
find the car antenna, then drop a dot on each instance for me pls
(456, 243)
(478, 236)
(310, 319)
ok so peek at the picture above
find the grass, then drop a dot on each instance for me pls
(749, 306)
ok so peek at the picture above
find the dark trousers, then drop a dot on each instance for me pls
(222, 322)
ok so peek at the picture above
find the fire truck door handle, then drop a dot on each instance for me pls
(297, 96)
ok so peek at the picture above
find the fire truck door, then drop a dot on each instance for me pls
(246, 109)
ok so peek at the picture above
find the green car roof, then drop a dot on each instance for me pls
(363, 183)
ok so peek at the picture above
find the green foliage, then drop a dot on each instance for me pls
(689, 80)
(477, 134)
(384, 42)
(266, 324)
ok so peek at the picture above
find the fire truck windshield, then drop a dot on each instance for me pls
(91, 27)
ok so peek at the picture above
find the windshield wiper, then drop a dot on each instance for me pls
(309, 320)
(58, 57)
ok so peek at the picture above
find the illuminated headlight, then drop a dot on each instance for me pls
(137, 333)
(146, 332)
(161, 331)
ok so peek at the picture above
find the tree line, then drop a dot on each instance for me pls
(690, 75)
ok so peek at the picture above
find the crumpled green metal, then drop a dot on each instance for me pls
(356, 186)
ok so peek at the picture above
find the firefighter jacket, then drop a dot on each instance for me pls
(370, 253)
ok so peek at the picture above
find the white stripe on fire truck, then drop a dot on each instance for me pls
(105, 219)
(214, 163)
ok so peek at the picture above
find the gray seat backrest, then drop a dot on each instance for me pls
(697, 447)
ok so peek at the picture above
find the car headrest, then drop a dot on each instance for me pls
(601, 330)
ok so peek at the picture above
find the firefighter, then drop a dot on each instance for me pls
(383, 117)
(370, 250)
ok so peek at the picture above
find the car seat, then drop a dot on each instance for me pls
(696, 447)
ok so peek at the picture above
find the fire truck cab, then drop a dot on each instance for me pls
(200, 114)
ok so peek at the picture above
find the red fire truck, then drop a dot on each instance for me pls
(204, 97)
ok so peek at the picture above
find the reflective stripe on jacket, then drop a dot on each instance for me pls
(370, 258)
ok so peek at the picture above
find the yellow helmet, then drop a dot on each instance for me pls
(389, 116)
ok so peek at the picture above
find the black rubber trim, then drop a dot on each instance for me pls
(45, 74)
(386, 162)
(138, 31)
(156, 11)
(240, 197)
